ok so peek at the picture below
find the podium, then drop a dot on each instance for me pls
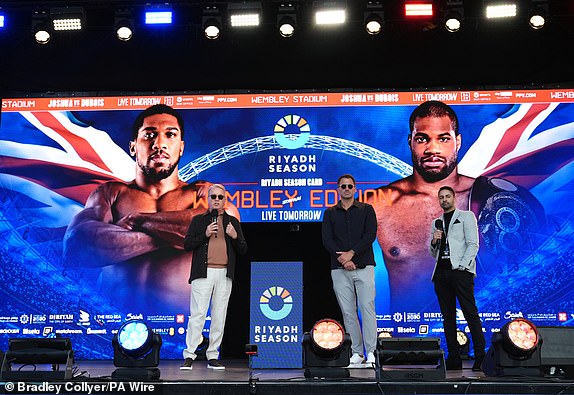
(276, 318)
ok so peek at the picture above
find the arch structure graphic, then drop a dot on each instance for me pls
(324, 143)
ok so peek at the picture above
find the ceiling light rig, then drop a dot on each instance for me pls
(416, 9)
(246, 14)
(498, 10)
(330, 13)
(67, 18)
(211, 22)
(158, 14)
(538, 14)
(453, 15)
(124, 25)
(374, 17)
(287, 19)
(41, 27)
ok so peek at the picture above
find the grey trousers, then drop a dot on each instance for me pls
(356, 288)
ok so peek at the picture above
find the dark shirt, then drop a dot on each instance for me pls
(444, 264)
(353, 229)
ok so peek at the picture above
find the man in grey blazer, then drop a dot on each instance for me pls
(454, 246)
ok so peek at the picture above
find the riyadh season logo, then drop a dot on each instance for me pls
(276, 303)
(292, 131)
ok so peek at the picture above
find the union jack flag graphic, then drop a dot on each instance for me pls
(530, 145)
(50, 161)
(55, 160)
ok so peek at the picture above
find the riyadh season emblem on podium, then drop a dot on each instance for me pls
(276, 303)
(292, 131)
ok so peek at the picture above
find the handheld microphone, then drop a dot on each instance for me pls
(214, 215)
(438, 224)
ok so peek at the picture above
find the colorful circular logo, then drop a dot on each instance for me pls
(276, 303)
(292, 131)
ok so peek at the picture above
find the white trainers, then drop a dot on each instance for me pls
(355, 361)
(370, 359)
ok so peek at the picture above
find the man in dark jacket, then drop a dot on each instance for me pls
(216, 238)
(348, 231)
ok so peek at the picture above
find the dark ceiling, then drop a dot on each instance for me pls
(407, 55)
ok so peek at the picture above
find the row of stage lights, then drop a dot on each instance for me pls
(248, 14)
(515, 351)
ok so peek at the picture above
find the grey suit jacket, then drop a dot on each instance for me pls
(462, 239)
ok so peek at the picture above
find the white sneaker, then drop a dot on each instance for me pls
(370, 359)
(355, 361)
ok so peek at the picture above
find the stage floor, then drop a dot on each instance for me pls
(238, 379)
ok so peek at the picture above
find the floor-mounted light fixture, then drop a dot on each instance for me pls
(463, 344)
(136, 351)
(326, 350)
(515, 351)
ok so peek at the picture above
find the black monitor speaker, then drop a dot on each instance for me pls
(406, 358)
(38, 359)
(557, 351)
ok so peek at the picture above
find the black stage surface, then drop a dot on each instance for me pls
(95, 377)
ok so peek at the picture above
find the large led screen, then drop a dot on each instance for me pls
(279, 156)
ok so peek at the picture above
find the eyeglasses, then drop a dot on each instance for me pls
(215, 197)
(345, 186)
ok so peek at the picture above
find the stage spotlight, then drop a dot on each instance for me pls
(67, 18)
(417, 9)
(211, 22)
(156, 14)
(29, 353)
(245, 14)
(330, 13)
(420, 358)
(537, 14)
(463, 344)
(40, 27)
(326, 350)
(385, 335)
(124, 25)
(2, 19)
(374, 17)
(286, 19)
(136, 351)
(515, 351)
(499, 10)
(453, 15)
